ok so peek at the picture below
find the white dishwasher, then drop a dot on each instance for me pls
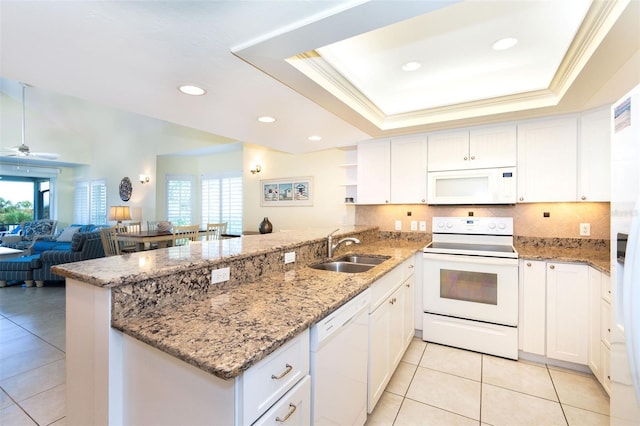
(339, 348)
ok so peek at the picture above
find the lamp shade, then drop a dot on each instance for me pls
(119, 213)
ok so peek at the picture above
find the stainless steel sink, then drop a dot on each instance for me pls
(351, 263)
(337, 266)
(360, 258)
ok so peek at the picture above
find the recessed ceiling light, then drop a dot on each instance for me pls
(411, 66)
(190, 89)
(315, 138)
(505, 43)
(266, 119)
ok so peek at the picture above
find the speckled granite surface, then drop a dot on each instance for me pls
(229, 330)
(592, 252)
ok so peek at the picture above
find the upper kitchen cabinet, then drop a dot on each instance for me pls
(393, 171)
(547, 160)
(477, 148)
(594, 155)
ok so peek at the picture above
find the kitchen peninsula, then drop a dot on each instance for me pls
(165, 299)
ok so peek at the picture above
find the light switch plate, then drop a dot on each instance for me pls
(289, 257)
(220, 275)
(414, 225)
(423, 225)
(398, 225)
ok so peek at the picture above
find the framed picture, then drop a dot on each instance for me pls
(297, 191)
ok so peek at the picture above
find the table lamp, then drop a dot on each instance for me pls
(119, 213)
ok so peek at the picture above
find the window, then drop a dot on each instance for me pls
(222, 201)
(180, 200)
(90, 202)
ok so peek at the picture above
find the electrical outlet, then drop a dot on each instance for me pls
(585, 229)
(289, 257)
(414, 225)
(398, 225)
(423, 225)
(220, 275)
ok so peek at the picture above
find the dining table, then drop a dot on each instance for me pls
(141, 239)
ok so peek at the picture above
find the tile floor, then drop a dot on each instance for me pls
(433, 385)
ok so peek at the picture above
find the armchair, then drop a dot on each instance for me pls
(31, 231)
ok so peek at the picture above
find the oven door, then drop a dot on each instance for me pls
(471, 287)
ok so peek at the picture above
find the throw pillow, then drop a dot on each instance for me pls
(67, 234)
(77, 241)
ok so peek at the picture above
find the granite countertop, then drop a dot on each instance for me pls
(227, 333)
(598, 257)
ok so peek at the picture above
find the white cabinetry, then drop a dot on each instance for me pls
(600, 326)
(547, 160)
(568, 312)
(351, 175)
(390, 316)
(554, 310)
(476, 148)
(374, 173)
(594, 156)
(393, 171)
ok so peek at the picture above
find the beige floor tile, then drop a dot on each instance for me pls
(414, 351)
(61, 422)
(446, 391)
(417, 413)
(453, 361)
(580, 391)
(527, 378)
(401, 379)
(48, 406)
(5, 401)
(386, 410)
(579, 417)
(14, 416)
(32, 382)
(506, 407)
(28, 360)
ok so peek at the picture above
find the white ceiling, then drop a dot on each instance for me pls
(132, 55)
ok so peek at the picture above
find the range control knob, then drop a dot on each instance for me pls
(492, 226)
(502, 226)
(449, 225)
(440, 225)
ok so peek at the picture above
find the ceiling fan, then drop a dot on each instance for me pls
(23, 149)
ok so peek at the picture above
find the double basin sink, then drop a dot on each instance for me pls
(352, 263)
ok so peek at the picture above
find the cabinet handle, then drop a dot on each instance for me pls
(465, 158)
(609, 330)
(552, 267)
(424, 201)
(473, 157)
(408, 285)
(386, 201)
(583, 198)
(529, 264)
(411, 266)
(286, 371)
(521, 198)
(292, 409)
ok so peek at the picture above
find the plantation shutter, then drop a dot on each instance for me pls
(81, 212)
(222, 201)
(98, 202)
(180, 200)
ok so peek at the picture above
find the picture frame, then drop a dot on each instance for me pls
(295, 191)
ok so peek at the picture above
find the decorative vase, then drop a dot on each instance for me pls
(265, 226)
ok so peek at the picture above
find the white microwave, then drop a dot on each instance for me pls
(476, 186)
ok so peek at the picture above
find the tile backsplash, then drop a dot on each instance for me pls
(563, 222)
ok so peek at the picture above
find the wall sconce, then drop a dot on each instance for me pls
(256, 169)
(144, 179)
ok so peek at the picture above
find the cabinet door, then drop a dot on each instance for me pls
(595, 300)
(409, 311)
(374, 172)
(409, 170)
(492, 147)
(547, 160)
(568, 312)
(294, 407)
(396, 328)
(379, 355)
(595, 156)
(533, 301)
(448, 151)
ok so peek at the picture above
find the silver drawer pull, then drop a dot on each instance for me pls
(292, 409)
(287, 371)
(552, 267)
(528, 263)
(411, 266)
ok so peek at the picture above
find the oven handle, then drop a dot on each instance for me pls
(478, 260)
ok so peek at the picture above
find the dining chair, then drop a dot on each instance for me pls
(183, 235)
(125, 246)
(152, 225)
(110, 241)
(216, 230)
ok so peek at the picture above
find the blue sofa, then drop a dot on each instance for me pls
(30, 233)
(83, 246)
(43, 244)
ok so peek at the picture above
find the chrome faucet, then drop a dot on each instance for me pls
(332, 247)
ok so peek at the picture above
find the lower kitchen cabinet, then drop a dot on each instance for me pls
(390, 317)
(600, 326)
(554, 310)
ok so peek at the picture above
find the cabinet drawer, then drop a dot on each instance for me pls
(409, 267)
(293, 409)
(605, 288)
(605, 323)
(267, 381)
(383, 287)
